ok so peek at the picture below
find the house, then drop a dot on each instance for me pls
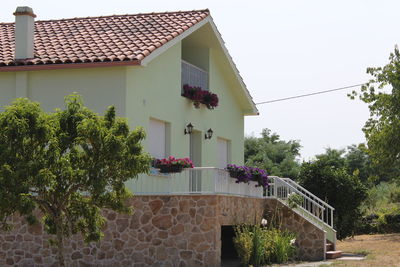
(139, 63)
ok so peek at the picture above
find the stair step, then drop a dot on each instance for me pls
(329, 246)
(333, 254)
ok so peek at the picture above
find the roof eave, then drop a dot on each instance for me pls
(69, 66)
(253, 109)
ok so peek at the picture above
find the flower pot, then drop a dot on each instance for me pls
(170, 168)
(196, 105)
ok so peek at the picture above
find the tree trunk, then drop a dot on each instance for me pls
(60, 244)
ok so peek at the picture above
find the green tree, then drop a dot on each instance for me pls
(382, 94)
(358, 163)
(329, 179)
(276, 156)
(69, 164)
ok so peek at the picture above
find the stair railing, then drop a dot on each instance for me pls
(281, 188)
(328, 208)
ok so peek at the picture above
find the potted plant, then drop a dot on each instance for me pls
(244, 174)
(260, 176)
(241, 173)
(172, 164)
(210, 100)
(200, 96)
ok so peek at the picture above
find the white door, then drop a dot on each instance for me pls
(195, 156)
(223, 152)
(156, 139)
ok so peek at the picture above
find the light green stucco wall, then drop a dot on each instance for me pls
(7, 88)
(99, 87)
(154, 91)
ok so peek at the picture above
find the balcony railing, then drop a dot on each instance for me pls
(194, 76)
(199, 180)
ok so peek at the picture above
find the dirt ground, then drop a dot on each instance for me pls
(380, 250)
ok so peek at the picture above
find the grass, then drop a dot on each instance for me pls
(380, 250)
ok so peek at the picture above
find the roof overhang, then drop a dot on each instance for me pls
(68, 66)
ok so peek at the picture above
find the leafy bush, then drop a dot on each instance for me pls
(283, 246)
(381, 210)
(380, 198)
(258, 245)
(327, 180)
(276, 156)
(243, 241)
(295, 200)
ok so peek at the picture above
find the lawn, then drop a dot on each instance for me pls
(380, 250)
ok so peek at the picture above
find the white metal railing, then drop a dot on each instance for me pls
(328, 208)
(194, 76)
(198, 180)
(311, 204)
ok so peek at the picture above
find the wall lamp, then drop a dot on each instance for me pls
(209, 134)
(189, 129)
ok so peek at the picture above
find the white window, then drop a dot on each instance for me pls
(157, 139)
(223, 152)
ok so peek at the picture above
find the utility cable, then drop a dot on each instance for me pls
(310, 94)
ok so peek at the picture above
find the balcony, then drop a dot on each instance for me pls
(199, 180)
(194, 76)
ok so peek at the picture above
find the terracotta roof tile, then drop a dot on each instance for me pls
(99, 39)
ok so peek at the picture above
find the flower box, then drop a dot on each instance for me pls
(244, 174)
(200, 96)
(170, 168)
(172, 164)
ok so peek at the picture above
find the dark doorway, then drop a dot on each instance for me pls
(228, 248)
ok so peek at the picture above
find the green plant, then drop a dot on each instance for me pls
(295, 200)
(325, 177)
(381, 210)
(276, 156)
(243, 242)
(258, 245)
(257, 257)
(282, 245)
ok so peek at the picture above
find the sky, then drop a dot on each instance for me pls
(282, 48)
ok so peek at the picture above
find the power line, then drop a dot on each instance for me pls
(310, 94)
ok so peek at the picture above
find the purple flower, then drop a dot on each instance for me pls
(245, 174)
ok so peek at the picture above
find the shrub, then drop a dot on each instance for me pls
(257, 245)
(295, 200)
(243, 241)
(381, 210)
(283, 246)
(335, 186)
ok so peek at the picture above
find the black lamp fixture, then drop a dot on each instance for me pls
(189, 129)
(209, 134)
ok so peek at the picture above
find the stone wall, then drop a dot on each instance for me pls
(163, 231)
(310, 239)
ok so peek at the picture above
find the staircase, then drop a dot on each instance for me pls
(331, 253)
(311, 208)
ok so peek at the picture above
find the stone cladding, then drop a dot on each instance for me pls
(163, 231)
